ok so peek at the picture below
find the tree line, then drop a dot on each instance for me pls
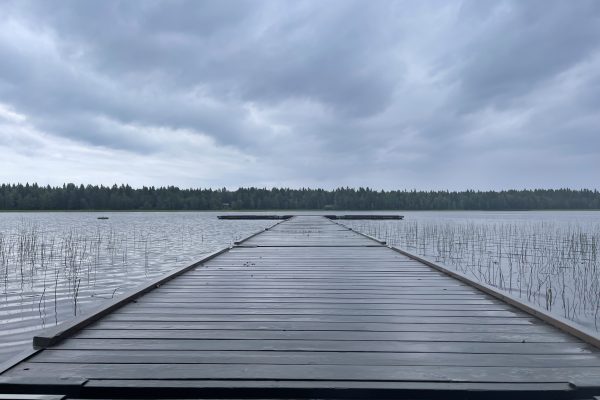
(124, 197)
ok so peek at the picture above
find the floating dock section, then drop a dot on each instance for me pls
(330, 216)
(308, 309)
(253, 216)
(365, 216)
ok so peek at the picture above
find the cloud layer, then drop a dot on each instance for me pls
(403, 94)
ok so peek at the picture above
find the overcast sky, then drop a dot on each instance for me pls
(404, 94)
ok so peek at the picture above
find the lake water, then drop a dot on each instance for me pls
(547, 258)
(56, 265)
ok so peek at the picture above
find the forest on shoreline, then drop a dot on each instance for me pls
(32, 197)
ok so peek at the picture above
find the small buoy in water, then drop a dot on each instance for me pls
(102, 217)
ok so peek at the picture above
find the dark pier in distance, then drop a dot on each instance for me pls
(253, 216)
(329, 216)
(364, 216)
(311, 309)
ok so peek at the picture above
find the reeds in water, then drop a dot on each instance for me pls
(57, 271)
(553, 265)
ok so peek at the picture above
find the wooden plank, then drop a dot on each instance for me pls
(314, 358)
(247, 274)
(524, 320)
(321, 287)
(352, 389)
(321, 311)
(324, 335)
(577, 375)
(257, 282)
(323, 290)
(339, 305)
(251, 276)
(317, 295)
(325, 326)
(75, 343)
(312, 296)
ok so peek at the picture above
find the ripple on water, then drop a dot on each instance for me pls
(54, 266)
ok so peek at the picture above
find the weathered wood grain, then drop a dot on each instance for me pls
(311, 304)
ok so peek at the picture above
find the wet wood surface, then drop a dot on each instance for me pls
(311, 301)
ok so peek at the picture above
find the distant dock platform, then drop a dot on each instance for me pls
(329, 216)
(364, 216)
(254, 216)
(310, 309)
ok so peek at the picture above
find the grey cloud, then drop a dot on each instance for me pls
(520, 45)
(377, 93)
(218, 46)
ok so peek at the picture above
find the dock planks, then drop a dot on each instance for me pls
(310, 308)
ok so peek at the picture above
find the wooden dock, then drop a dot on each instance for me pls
(330, 216)
(308, 309)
